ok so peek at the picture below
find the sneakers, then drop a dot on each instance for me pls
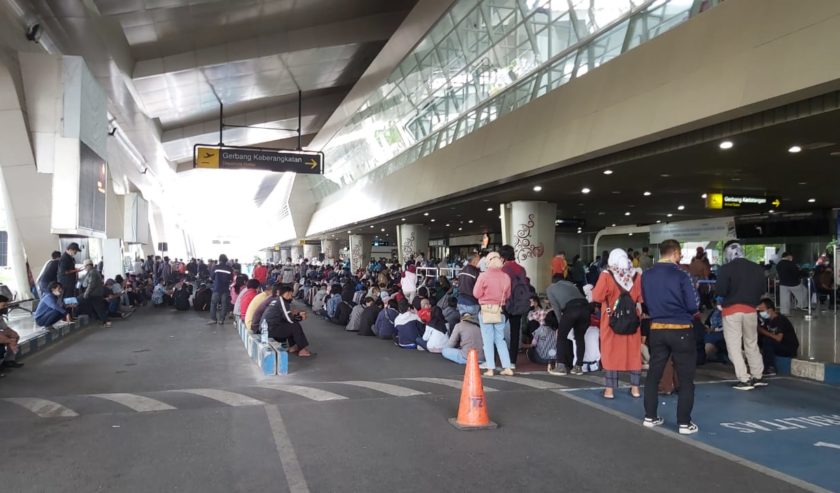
(212, 322)
(508, 372)
(758, 383)
(577, 371)
(653, 422)
(488, 373)
(743, 386)
(769, 372)
(420, 348)
(689, 429)
(558, 370)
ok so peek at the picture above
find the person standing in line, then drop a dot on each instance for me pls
(740, 283)
(618, 352)
(559, 267)
(790, 284)
(572, 312)
(49, 274)
(645, 260)
(68, 274)
(671, 303)
(221, 291)
(492, 289)
(93, 295)
(466, 282)
(519, 302)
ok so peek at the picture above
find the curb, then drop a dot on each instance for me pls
(812, 370)
(50, 336)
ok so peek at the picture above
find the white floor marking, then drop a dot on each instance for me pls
(308, 392)
(286, 451)
(43, 407)
(136, 402)
(229, 398)
(827, 445)
(385, 388)
(455, 384)
(530, 382)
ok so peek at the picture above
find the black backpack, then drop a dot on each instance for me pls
(519, 302)
(624, 319)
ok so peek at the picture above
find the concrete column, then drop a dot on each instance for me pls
(296, 253)
(311, 251)
(412, 239)
(529, 228)
(284, 254)
(360, 250)
(330, 250)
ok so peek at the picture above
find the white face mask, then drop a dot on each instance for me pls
(765, 315)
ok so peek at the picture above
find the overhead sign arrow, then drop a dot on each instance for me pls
(827, 445)
(312, 164)
(776, 203)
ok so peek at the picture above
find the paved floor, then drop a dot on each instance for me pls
(162, 402)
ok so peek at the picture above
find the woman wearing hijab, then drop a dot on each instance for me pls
(409, 282)
(618, 352)
(492, 289)
(434, 339)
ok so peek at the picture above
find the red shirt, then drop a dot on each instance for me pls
(425, 314)
(245, 298)
(261, 274)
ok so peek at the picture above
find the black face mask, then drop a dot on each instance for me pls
(4, 311)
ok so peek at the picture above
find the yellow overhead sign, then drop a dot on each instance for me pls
(714, 201)
(207, 157)
(734, 201)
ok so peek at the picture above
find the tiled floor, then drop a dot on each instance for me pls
(819, 337)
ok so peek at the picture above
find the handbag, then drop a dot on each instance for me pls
(491, 314)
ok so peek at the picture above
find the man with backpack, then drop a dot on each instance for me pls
(519, 302)
(672, 303)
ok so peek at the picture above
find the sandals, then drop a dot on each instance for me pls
(635, 396)
(609, 397)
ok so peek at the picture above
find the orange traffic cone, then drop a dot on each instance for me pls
(472, 412)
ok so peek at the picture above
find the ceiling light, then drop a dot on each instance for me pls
(470, 221)
(646, 194)
(794, 149)
(658, 221)
(349, 232)
(811, 201)
(601, 213)
(669, 215)
(402, 219)
(431, 220)
(613, 225)
(500, 217)
(383, 230)
(704, 196)
(771, 211)
(537, 188)
(681, 207)
(608, 172)
(559, 221)
(726, 144)
(425, 213)
(489, 209)
(803, 182)
(585, 190)
(627, 213)
(460, 229)
(629, 234)
(665, 175)
(447, 225)
(371, 226)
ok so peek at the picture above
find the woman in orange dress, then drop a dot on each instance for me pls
(618, 352)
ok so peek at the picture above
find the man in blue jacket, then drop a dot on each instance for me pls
(221, 291)
(672, 303)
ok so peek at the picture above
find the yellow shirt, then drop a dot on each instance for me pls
(635, 263)
(252, 308)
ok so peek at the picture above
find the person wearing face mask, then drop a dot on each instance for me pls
(51, 307)
(284, 323)
(776, 336)
(671, 302)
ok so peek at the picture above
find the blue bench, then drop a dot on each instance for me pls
(272, 357)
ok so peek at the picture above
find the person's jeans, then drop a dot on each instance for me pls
(471, 309)
(679, 346)
(421, 343)
(741, 328)
(535, 357)
(224, 298)
(575, 318)
(454, 355)
(770, 349)
(515, 331)
(114, 307)
(49, 318)
(493, 337)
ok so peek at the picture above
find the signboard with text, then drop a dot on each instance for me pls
(738, 201)
(281, 161)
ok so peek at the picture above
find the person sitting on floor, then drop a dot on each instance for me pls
(344, 309)
(333, 301)
(425, 310)
(319, 301)
(201, 300)
(284, 323)
(466, 335)
(159, 296)
(407, 326)
(450, 313)
(9, 338)
(353, 324)
(384, 327)
(434, 338)
(543, 347)
(776, 336)
(181, 295)
(51, 307)
(368, 318)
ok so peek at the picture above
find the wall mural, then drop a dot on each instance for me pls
(524, 247)
(356, 255)
(329, 250)
(409, 246)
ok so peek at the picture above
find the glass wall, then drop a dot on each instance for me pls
(485, 58)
